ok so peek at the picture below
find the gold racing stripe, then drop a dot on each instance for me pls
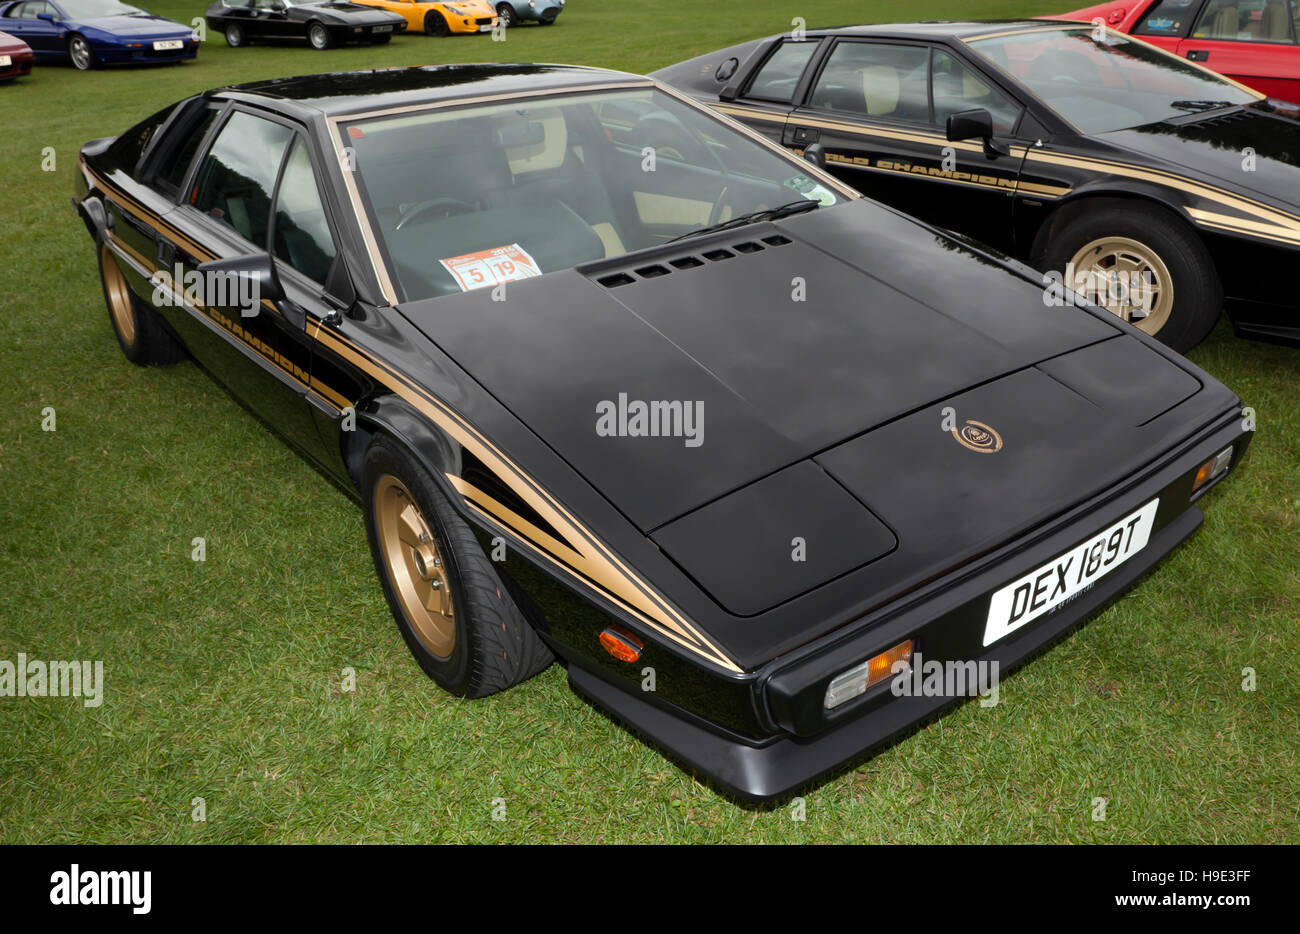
(1270, 223)
(593, 563)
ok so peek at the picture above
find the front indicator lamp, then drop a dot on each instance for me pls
(1212, 469)
(849, 684)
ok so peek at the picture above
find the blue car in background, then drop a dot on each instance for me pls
(513, 12)
(90, 33)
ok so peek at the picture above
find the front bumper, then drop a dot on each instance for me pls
(144, 53)
(945, 620)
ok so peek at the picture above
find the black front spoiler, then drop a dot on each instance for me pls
(770, 771)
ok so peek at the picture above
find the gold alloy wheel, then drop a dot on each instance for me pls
(1127, 278)
(119, 296)
(415, 566)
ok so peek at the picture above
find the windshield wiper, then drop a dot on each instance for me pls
(767, 214)
(1200, 105)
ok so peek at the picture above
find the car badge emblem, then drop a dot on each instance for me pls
(978, 437)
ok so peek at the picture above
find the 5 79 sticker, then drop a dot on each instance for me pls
(490, 267)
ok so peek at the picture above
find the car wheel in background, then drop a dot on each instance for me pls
(83, 58)
(319, 36)
(1142, 263)
(235, 35)
(506, 15)
(452, 607)
(435, 25)
(140, 333)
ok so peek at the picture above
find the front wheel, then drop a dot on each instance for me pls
(139, 331)
(506, 15)
(435, 25)
(1144, 265)
(83, 59)
(235, 36)
(453, 609)
(319, 36)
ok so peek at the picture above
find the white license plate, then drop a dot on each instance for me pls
(5, 61)
(382, 29)
(1055, 583)
(165, 45)
(485, 29)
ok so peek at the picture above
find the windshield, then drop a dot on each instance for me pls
(466, 198)
(1107, 81)
(90, 9)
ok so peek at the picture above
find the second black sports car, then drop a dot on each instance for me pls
(1161, 190)
(322, 23)
(735, 444)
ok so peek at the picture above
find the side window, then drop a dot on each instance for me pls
(302, 233)
(957, 88)
(178, 155)
(876, 80)
(777, 77)
(238, 174)
(1166, 18)
(1246, 21)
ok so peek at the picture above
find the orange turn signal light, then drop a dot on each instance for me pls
(849, 684)
(1212, 468)
(621, 644)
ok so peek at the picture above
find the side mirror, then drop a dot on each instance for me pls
(48, 17)
(975, 124)
(816, 154)
(247, 281)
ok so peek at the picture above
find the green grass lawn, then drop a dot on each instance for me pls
(223, 677)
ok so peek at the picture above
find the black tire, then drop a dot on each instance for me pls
(318, 37)
(506, 15)
(80, 53)
(235, 35)
(546, 22)
(143, 337)
(1198, 293)
(435, 24)
(495, 646)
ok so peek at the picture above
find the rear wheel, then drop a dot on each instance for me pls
(235, 35)
(83, 58)
(1141, 263)
(139, 331)
(453, 609)
(319, 36)
(435, 25)
(506, 15)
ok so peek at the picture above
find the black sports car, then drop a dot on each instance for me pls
(1150, 184)
(732, 442)
(322, 23)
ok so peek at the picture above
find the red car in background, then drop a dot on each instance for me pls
(1251, 41)
(15, 57)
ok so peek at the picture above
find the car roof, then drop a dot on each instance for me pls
(938, 29)
(348, 92)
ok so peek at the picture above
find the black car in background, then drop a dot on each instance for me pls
(322, 23)
(1152, 185)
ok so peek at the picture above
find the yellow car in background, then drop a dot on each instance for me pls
(439, 18)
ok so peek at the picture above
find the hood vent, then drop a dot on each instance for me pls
(626, 276)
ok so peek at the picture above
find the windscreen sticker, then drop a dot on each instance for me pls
(811, 190)
(491, 267)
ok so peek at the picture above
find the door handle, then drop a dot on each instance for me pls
(1199, 55)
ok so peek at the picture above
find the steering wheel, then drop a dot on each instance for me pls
(450, 206)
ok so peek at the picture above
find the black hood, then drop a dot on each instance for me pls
(794, 336)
